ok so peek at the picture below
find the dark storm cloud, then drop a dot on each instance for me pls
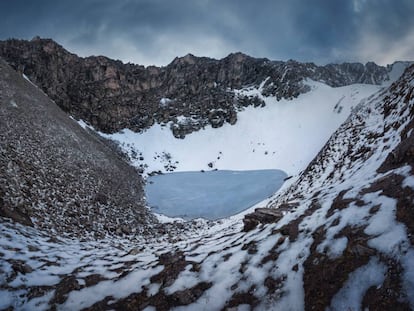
(155, 31)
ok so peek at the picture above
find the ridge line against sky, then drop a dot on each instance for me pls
(154, 32)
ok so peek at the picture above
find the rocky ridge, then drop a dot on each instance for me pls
(188, 94)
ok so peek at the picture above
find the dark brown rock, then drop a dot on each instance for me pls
(21, 267)
(390, 295)
(323, 277)
(65, 286)
(241, 299)
(262, 215)
(111, 95)
(93, 279)
(173, 264)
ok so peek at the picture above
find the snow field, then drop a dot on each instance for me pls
(284, 134)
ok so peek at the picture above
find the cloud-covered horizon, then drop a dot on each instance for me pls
(156, 31)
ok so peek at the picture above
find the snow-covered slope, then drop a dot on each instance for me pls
(343, 239)
(356, 206)
(284, 134)
(395, 71)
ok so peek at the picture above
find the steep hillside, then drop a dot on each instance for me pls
(110, 95)
(355, 208)
(339, 238)
(55, 175)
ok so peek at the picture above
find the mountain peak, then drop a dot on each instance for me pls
(238, 57)
(188, 59)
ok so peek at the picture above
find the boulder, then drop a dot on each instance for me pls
(262, 215)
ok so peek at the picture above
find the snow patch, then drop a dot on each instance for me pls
(408, 182)
(13, 103)
(164, 102)
(397, 69)
(85, 125)
(407, 262)
(351, 295)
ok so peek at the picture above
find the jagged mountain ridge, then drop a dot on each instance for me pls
(340, 238)
(57, 176)
(110, 95)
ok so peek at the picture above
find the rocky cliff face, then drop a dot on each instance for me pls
(190, 93)
(56, 176)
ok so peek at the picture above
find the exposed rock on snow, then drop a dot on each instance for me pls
(263, 216)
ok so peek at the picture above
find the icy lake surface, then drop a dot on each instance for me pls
(212, 194)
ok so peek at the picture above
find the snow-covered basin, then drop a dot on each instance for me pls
(211, 194)
(285, 134)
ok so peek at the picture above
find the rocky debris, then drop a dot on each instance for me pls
(160, 301)
(110, 95)
(57, 176)
(392, 186)
(20, 266)
(340, 203)
(325, 276)
(260, 215)
(389, 296)
(93, 279)
(65, 286)
(238, 299)
(18, 214)
(173, 264)
(266, 216)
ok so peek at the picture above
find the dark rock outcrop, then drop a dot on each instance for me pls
(111, 95)
(55, 175)
(262, 216)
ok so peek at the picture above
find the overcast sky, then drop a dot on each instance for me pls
(155, 31)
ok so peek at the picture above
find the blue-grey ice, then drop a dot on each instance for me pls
(210, 195)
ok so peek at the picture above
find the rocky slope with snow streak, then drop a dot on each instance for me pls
(188, 94)
(356, 206)
(57, 176)
(340, 238)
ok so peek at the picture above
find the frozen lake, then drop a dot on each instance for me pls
(210, 195)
